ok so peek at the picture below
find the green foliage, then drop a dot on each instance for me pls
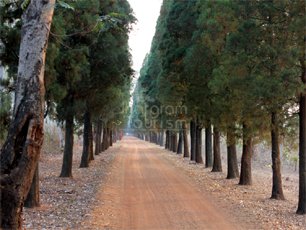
(100, 72)
(109, 21)
(65, 5)
(87, 56)
(231, 63)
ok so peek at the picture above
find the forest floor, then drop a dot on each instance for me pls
(127, 184)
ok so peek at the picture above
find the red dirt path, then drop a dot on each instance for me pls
(145, 191)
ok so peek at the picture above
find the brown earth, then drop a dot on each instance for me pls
(146, 191)
(124, 186)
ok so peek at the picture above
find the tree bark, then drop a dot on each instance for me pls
(98, 137)
(217, 165)
(302, 149)
(232, 163)
(86, 141)
(208, 146)
(107, 136)
(91, 154)
(161, 142)
(185, 138)
(104, 140)
(101, 137)
(120, 135)
(198, 157)
(111, 137)
(174, 142)
(68, 152)
(193, 140)
(277, 188)
(32, 199)
(167, 140)
(22, 148)
(114, 135)
(180, 143)
(170, 140)
(246, 160)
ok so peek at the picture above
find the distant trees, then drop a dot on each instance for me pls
(238, 67)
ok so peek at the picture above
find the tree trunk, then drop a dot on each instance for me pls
(68, 152)
(302, 150)
(101, 137)
(174, 142)
(199, 158)
(114, 136)
(32, 199)
(86, 141)
(91, 155)
(104, 140)
(110, 137)
(107, 137)
(98, 137)
(170, 141)
(277, 188)
(246, 160)
(217, 165)
(208, 146)
(167, 140)
(180, 143)
(120, 135)
(193, 140)
(22, 148)
(185, 138)
(232, 163)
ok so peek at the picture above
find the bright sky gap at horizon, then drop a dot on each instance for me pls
(140, 39)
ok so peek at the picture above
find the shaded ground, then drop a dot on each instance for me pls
(66, 203)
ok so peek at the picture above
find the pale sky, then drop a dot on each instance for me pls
(146, 12)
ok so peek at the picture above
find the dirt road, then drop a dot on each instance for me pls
(145, 191)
